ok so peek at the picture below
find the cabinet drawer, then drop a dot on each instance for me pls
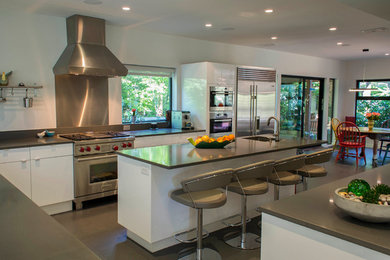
(47, 151)
(14, 155)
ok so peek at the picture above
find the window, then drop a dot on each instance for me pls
(148, 90)
(373, 101)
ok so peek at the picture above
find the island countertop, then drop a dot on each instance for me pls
(315, 209)
(27, 232)
(182, 155)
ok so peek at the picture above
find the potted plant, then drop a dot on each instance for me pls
(371, 117)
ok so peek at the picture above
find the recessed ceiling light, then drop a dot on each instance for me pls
(126, 8)
(269, 11)
(274, 38)
(339, 43)
(387, 54)
(332, 28)
(208, 25)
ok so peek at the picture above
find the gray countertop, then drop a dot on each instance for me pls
(314, 209)
(31, 141)
(182, 155)
(29, 233)
(160, 131)
(35, 141)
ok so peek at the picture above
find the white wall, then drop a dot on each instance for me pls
(33, 44)
(374, 69)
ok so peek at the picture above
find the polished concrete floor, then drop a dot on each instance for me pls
(96, 225)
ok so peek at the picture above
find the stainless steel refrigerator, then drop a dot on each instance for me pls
(255, 100)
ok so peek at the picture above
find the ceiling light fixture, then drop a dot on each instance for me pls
(126, 8)
(339, 44)
(387, 54)
(274, 38)
(364, 79)
(333, 29)
(208, 25)
(269, 11)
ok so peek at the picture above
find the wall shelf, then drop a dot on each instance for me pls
(21, 87)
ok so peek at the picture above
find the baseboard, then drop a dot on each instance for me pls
(58, 208)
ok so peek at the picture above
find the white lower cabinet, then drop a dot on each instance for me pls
(52, 180)
(42, 173)
(18, 173)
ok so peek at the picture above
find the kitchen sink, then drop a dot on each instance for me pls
(260, 138)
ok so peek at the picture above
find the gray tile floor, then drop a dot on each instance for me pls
(96, 225)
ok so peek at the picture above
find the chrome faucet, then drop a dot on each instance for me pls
(277, 133)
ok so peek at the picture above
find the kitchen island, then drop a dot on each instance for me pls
(146, 176)
(309, 226)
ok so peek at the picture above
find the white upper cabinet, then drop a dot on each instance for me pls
(221, 74)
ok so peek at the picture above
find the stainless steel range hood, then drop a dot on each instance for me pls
(86, 53)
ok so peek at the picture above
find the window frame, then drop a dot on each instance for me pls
(357, 97)
(150, 75)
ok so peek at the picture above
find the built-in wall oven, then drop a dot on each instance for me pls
(95, 164)
(221, 98)
(221, 122)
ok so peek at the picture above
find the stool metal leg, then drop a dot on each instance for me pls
(242, 240)
(304, 183)
(276, 192)
(201, 253)
(200, 235)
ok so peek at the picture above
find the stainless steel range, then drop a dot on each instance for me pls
(95, 163)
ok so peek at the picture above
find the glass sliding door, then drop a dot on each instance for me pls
(330, 110)
(300, 106)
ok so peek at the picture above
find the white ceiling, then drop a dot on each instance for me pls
(300, 25)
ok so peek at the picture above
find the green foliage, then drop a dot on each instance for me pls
(371, 196)
(382, 189)
(150, 95)
(367, 106)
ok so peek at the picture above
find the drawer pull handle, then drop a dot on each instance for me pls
(23, 160)
(37, 159)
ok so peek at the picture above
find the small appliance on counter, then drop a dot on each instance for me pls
(181, 120)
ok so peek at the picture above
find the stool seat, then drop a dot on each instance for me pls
(284, 178)
(312, 170)
(206, 199)
(249, 187)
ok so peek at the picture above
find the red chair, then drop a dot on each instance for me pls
(350, 139)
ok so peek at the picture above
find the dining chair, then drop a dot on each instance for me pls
(386, 138)
(335, 123)
(350, 138)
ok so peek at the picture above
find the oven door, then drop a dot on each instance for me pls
(95, 174)
(220, 99)
(221, 125)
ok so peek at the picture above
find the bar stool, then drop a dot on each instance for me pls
(247, 184)
(311, 169)
(282, 175)
(201, 192)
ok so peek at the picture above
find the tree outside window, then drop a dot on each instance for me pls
(149, 95)
(373, 101)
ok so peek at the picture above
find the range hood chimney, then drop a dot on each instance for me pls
(86, 53)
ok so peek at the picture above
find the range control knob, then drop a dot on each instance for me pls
(129, 144)
(88, 149)
(97, 148)
(81, 149)
(115, 148)
(124, 145)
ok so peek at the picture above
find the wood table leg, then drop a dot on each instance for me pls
(374, 153)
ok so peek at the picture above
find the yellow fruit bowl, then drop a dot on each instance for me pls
(211, 145)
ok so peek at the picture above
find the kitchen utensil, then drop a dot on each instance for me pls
(49, 133)
(27, 101)
(2, 99)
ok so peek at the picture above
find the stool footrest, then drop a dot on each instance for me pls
(234, 221)
(190, 236)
